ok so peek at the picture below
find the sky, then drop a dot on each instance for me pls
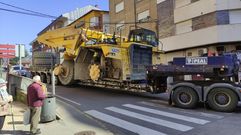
(22, 29)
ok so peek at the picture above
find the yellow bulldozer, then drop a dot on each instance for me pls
(104, 60)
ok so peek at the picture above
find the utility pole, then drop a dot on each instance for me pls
(135, 14)
(157, 29)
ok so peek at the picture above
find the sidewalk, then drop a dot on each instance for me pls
(67, 125)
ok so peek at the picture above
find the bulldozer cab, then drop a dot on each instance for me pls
(142, 35)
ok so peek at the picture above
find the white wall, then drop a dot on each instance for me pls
(235, 16)
(190, 39)
(169, 56)
(204, 7)
(228, 4)
(184, 27)
(79, 12)
(229, 33)
(181, 3)
(210, 35)
(194, 10)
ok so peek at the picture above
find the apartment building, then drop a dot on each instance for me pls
(124, 14)
(91, 16)
(97, 20)
(197, 27)
(185, 27)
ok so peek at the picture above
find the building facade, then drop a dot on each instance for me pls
(129, 14)
(94, 20)
(197, 27)
(185, 27)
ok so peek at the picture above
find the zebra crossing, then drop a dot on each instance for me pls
(141, 119)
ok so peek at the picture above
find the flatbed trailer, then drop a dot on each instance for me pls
(219, 86)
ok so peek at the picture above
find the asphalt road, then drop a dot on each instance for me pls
(127, 113)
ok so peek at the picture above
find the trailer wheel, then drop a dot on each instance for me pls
(222, 99)
(48, 79)
(56, 80)
(32, 74)
(43, 78)
(185, 97)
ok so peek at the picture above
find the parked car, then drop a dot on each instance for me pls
(16, 70)
(4, 69)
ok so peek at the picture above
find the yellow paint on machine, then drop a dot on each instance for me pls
(112, 52)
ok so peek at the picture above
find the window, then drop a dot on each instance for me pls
(120, 25)
(143, 35)
(184, 27)
(202, 52)
(94, 21)
(235, 16)
(220, 50)
(143, 15)
(181, 3)
(160, 1)
(119, 7)
(189, 54)
(18, 68)
(238, 47)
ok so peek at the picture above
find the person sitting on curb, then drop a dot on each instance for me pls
(35, 97)
(5, 99)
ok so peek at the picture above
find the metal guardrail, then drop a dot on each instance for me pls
(19, 82)
(18, 86)
(16, 82)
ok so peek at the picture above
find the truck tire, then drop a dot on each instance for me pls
(43, 78)
(48, 79)
(222, 99)
(67, 78)
(185, 97)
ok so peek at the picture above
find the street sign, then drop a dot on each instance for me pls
(196, 61)
(20, 49)
(7, 51)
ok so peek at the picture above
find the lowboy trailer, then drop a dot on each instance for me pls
(218, 83)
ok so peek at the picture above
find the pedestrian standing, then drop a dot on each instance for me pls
(35, 96)
(5, 99)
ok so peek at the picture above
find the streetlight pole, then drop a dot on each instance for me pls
(20, 59)
(52, 74)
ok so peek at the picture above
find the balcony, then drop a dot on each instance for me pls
(207, 36)
(203, 7)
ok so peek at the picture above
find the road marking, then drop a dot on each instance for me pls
(167, 114)
(157, 121)
(214, 116)
(123, 124)
(71, 101)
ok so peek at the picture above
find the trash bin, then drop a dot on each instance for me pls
(48, 112)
